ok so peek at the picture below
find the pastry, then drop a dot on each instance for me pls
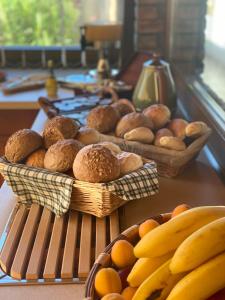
(140, 134)
(160, 133)
(172, 143)
(60, 156)
(36, 159)
(59, 128)
(131, 121)
(21, 144)
(103, 118)
(159, 114)
(177, 126)
(196, 129)
(88, 136)
(124, 106)
(129, 162)
(95, 163)
(111, 146)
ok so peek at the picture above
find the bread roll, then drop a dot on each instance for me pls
(196, 129)
(88, 136)
(103, 118)
(140, 134)
(124, 107)
(160, 133)
(59, 128)
(36, 159)
(111, 146)
(159, 114)
(172, 143)
(60, 156)
(131, 121)
(21, 144)
(129, 162)
(177, 126)
(95, 163)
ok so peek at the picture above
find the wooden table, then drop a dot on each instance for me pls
(199, 185)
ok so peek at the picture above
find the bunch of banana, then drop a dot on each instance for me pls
(197, 268)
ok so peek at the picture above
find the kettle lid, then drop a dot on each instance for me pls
(155, 61)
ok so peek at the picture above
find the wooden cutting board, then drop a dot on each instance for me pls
(38, 247)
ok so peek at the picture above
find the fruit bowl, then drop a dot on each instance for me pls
(166, 257)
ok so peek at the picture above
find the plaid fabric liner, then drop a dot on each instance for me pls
(53, 190)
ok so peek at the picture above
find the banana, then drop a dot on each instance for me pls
(168, 236)
(199, 247)
(158, 285)
(202, 282)
(144, 267)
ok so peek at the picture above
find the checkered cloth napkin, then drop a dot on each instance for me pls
(53, 190)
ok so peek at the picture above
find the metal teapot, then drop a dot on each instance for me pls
(155, 85)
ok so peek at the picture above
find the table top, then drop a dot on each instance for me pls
(198, 185)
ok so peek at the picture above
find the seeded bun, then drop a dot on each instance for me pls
(124, 107)
(131, 121)
(36, 159)
(103, 118)
(21, 144)
(159, 114)
(88, 136)
(59, 128)
(95, 163)
(60, 156)
(178, 126)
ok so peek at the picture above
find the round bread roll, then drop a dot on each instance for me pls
(140, 134)
(196, 129)
(111, 146)
(59, 128)
(60, 156)
(177, 126)
(88, 136)
(131, 121)
(159, 114)
(160, 133)
(124, 107)
(21, 144)
(103, 118)
(36, 159)
(172, 143)
(129, 162)
(95, 163)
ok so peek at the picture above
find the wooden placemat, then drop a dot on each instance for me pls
(37, 247)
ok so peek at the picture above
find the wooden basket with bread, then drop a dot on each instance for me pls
(59, 171)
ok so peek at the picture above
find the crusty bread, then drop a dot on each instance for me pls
(103, 118)
(140, 134)
(124, 106)
(21, 144)
(95, 163)
(129, 162)
(131, 121)
(196, 129)
(160, 133)
(88, 136)
(159, 114)
(59, 128)
(172, 143)
(177, 126)
(60, 156)
(36, 159)
(111, 146)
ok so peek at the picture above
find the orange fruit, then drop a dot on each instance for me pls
(128, 293)
(113, 296)
(122, 254)
(147, 226)
(107, 281)
(179, 209)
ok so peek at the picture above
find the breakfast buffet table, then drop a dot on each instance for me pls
(198, 185)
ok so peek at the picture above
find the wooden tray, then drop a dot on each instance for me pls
(39, 248)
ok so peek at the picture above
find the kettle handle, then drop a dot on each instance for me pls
(160, 86)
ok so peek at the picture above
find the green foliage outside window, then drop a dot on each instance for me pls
(39, 22)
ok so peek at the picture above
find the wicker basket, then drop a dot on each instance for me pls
(104, 260)
(170, 163)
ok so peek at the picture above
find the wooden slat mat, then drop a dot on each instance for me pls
(38, 247)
